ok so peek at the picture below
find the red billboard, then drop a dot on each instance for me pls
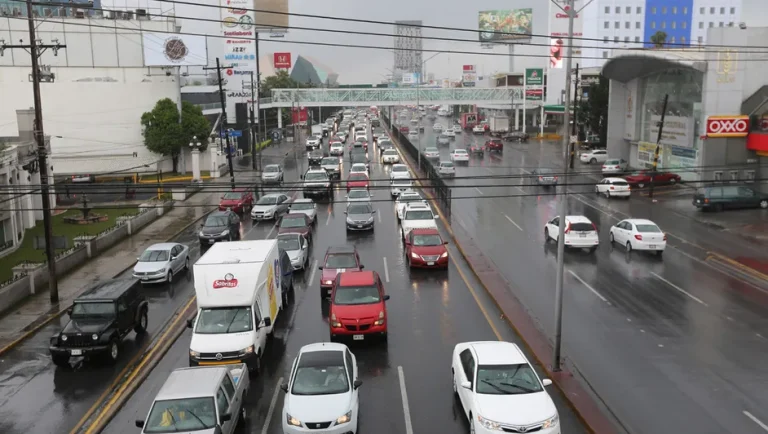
(299, 115)
(282, 60)
(468, 68)
(728, 126)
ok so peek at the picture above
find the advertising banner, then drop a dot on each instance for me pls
(727, 126)
(410, 78)
(646, 152)
(534, 94)
(677, 131)
(277, 22)
(681, 157)
(239, 48)
(468, 68)
(468, 78)
(630, 120)
(299, 115)
(556, 53)
(534, 77)
(282, 60)
(516, 23)
(168, 49)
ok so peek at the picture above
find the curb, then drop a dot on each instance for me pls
(55, 315)
(592, 426)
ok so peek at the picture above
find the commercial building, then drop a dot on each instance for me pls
(408, 46)
(12, 8)
(716, 123)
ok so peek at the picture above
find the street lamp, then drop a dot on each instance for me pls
(195, 145)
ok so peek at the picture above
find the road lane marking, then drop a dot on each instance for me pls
(272, 405)
(312, 273)
(479, 191)
(594, 291)
(747, 414)
(378, 214)
(513, 222)
(271, 231)
(328, 220)
(404, 396)
(386, 270)
(679, 289)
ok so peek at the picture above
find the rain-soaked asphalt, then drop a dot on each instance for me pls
(37, 397)
(429, 313)
(671, 345)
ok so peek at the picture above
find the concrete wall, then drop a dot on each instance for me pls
(14, 292)
(141, 220)
(617, 110)
(105, 241)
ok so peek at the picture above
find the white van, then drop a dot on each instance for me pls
(239, 295)
(398, 186)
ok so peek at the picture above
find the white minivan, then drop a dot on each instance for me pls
(398, 186)
(239, 295)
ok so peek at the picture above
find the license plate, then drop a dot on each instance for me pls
(145, 278)
(76, 352)
(582, 235)
(431, 263)
(359, 226)
(651, 246)
(211, 241)
(358, 337)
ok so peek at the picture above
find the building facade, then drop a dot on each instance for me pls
(11, 8)
(408, 46)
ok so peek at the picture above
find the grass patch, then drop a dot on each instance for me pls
(27, 252)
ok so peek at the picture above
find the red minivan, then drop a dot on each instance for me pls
(358, 307)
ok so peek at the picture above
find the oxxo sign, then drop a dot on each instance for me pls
(727, 126)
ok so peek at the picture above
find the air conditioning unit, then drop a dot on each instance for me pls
(141, 14)
(79, 14)
(127, 15)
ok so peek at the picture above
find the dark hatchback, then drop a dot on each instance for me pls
(298, 223)
(719, 198)
(219, 226)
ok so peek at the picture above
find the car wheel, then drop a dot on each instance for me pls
(169, 279)
(764, 204)
(471, 424)
(607, 194)
(453, 380)
(186, 263)
(114, 351)
(546, 235)
(659, 253)
(593, 161)
(141, 326)
(597, 190)
(243, 418)
(60, 360)
(640, 184)
(613, 240)
(255, 368)
(629, 247)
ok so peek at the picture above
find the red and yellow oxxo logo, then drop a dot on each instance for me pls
(727, 126)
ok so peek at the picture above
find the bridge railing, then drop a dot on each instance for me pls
(396, 95)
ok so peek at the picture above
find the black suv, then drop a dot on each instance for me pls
(219, 226)
(99, 319)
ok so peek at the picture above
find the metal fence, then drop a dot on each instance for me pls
(434, 182)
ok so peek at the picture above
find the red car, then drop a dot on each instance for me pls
(404, 130)
(643, 178)
(494, 145)
(357, 180)
(424, 248)
(358, 307)
(296, 223)
(239, 200)
(337, 260)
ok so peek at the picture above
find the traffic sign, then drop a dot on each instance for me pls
(233, 133)
(574, 139)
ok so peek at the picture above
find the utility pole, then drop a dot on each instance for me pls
(571, 11)
(255, 97)
(223, 131)
(658, 144)
(252, 126)
(574, 130)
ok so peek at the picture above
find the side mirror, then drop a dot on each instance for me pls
(386, 297)
(173, 257)
(69, 311)
(445, 242)
(467, 385)
(546, 382)
(226, 417)
(320, 268)
(362, 266)
(407, 243)
(357, 384)
(373, 212)
(437, 217)
(301, 176)
(138, 259)
(139, 424)
(267, 322)
(345, 212)
(190, 323)
(284, 387)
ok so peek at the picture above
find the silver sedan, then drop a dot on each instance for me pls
(160, 262)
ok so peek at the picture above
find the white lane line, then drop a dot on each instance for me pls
(594, 291)
(746, 413)
(271, 231)
(312, 273)
(679, 289)
(272, 405)
(513, 222)
(378, 214)
(404, 396)
(386, 270)
(479, 191)
(328, 220)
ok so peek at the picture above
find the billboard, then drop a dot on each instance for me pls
(678, 130)
(534, 77)
(517, 23)
(410, 78)
(282, 60)
(239, 48)
(168, 49)
(266, 21)
(299, 115)
(556, 53)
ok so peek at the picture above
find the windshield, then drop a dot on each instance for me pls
(154, 256)
(92, 309)
(293, 222)
(271, 169)
(316, 177)
(224, 320)
(459, 152)
(619, 183)
(358, 194)
(544, 171)
(409, 198)
(431, 150)
(507, 380)
(358, 177)
(385, 143)
(344, 260)
(216, 220)
(349, 295)
(582, 227)
(358, 168)
(233, 196)
(427, 240)
(648, 228)
(302, 206)
(359, 209)
(399, 169)
(267, 200)
(179, 415)
(289, 243)
(320, 380)
(609, 162)
(330, 161)
(390, 152)
(399, 183)
(419, 215)
(448, 164)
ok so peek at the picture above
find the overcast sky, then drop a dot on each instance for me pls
(356, 65)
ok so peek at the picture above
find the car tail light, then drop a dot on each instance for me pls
(706, 200)
(594, 227)
(639, 237)
(665, 237)
(568, 228)
(555, 178)
(541, 178)
(612, 188)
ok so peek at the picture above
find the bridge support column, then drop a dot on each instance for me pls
(517, 119)
(280, 117)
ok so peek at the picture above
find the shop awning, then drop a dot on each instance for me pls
(758, 142)
(629, 67)
(555, 109)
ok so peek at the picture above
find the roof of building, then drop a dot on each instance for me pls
(625, 67)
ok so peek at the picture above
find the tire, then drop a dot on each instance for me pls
(607, 194)
(453, 380)
(546, 236)
(672, 181)
(764, 204)
(629, 247)
(660, 253)
(640, 184)
(186, 263)
(255, 369)
(593, 161)
(60, 361)
(242, 419)
(141, 326)
(471, 424)
(169, 278)
(597, 191)
(114, 351)
(612, 239)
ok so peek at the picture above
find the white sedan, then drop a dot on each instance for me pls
(413, 134)
(160, 262)
(478, 129)
(460, 155)
(399, 171)
(321, 393)
(406, 198)
(359, 168)
(390, 156)
(639, 234)
(449, 133)
(457, 129)
(500, 391)
(613, 187)
(437, 127)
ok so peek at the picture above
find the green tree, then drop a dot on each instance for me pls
(593, 111)
(164, 135)
(659, 39)
(194, 123)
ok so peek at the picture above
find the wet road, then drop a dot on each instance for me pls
(38, 397)
(429, 313)
(670, 345)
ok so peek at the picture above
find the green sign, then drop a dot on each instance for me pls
(534, 77)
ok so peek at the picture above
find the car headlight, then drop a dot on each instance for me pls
(226, 232)
(290, 420)
(328, 282)
(201, 234)
(194, 354)
(247, 350)
(414, 255)
(488, 424)
(95, 337)
(444, 255)
(380, 321)
(349, 221)
(64, 338)
(344, 419)
(551, 422)
(370, 220)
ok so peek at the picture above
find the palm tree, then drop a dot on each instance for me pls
(659, 39)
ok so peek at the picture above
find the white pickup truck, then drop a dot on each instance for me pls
(417, 216)
(204, 399)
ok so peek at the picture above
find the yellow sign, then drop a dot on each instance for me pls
(271, 291)
(646, 152)
(726, 65)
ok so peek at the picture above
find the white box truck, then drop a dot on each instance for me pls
(499, 125)
(239, 295)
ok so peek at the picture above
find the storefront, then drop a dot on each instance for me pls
(701, 86)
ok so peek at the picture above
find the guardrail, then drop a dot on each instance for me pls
(440, 190)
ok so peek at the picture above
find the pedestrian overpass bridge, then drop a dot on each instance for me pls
(391, 97)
